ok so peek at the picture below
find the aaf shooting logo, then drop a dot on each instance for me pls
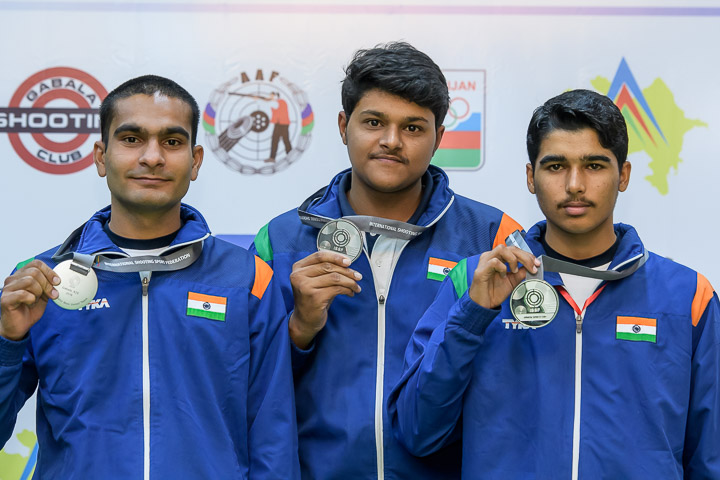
(258, 125)
(656, 124)
(52, 117)
(462, 146)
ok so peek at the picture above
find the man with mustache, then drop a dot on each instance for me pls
(623, 383)
(183, 369)
(350, 324)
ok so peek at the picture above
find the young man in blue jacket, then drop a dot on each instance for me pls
(623, 383)
(350, 324)
(179, 367)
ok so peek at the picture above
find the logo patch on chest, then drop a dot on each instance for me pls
(636, 329)
(438, 268)
(206, 306)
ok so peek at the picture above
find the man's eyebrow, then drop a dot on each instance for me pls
(128, 128)
(551, 158)
(597, 158)
(175, 131)
(373, 112)
(416, 119)
(384, 116)
(137, 129)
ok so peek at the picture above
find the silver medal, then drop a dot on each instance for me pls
(341, 236)
(78, 285)
(534, 303)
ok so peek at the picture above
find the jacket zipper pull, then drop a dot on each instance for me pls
(578, 321)
(381, 300)
(145, 282)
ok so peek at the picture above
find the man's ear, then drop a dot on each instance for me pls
(529, 172)
(99, 157)
(438, 137)
(624, 176)
(342, 126)
(198, 153)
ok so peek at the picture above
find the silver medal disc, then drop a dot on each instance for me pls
(341, 236)
(534, 303)
(78, 285)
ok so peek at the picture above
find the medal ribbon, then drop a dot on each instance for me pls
(550, 264)
(369, 224)
(180, 257)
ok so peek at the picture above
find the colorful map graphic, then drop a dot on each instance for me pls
(656, 124)
(16, 466)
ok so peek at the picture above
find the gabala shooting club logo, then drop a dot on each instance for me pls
(51, 117)
(258, 125)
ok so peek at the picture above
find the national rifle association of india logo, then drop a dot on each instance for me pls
(52, 119)
(260, 124)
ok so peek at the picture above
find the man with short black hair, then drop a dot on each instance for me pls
(349, 326)
(623, 378)
(184, 369)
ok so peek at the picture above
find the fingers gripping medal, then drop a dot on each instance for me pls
(534, 302)
(341, 236)
(78, 285)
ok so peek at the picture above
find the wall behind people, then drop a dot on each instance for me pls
(502, 59)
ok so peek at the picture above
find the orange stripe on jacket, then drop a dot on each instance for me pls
(703, 294)
(507, 226)
(649, 322)
(263, 275)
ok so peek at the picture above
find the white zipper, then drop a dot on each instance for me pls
(379, 390)
(145, 277)
(578, 394)
(382, 281)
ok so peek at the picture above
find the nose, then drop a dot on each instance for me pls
(391, 138)
(152, 155)
(575, 180)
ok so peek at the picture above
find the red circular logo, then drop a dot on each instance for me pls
(51, 117)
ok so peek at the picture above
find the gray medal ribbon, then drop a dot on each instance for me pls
(369, 224)
(550, 264)
(82, 263)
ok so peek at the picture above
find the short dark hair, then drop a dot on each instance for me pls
(146, 85)
(400, 69)
(575, 110)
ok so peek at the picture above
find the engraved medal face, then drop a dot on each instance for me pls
(534, 303)
(341, 236)
(76, 289)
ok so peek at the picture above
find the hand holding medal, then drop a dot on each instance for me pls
(24, 298)
(498, 273)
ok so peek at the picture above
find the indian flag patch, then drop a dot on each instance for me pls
(439, 268)
(636, 329)
(206, 306)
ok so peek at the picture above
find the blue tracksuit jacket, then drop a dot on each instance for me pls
(217, 400)
(342, 386)
(532, 402)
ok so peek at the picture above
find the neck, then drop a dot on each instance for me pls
(580, 246)
(392, 205)
(143, 225)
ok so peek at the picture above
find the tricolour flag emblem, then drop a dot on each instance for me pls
(206, 306)
(439, 268)
(636, 329)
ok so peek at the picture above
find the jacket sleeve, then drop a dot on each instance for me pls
(18, 380)
(262, 247)
(425, 406)
(272, 435)
(701, 455)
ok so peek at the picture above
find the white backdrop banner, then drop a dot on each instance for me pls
(503, 59)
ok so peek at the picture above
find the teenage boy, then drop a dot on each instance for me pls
(623, 383)
(184, 369)
(350, 324)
